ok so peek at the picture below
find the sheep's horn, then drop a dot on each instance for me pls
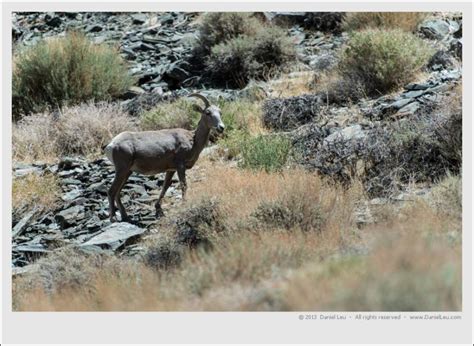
(199, 96)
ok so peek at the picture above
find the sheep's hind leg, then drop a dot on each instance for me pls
(166, 185)
(123, 213)
(120, 178)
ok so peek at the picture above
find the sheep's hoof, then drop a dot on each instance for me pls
(127, 219)
(159, 212)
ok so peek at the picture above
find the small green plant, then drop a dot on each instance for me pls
(407, 21)
(169, 115)
(383, 60)
(268, 152)
(66, 71)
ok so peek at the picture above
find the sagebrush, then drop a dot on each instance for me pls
(65, 71)
(383, 60)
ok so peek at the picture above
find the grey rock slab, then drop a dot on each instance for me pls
(71, 195)
(411, 108)
(400, 103)
(70, 216)
(435, 29)
(139, 18)
(20, 226)
(412, 94)
(348, 133)
(115, 235)
(419, 86)
(25, 171)
(33, 248)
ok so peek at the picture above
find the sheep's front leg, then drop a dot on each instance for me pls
(166, 185)
(182, 179)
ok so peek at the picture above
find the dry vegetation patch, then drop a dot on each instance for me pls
(242, 192)
(415, 266)
(410, 266)
(34, 191)
(77, 130)
(407, 21)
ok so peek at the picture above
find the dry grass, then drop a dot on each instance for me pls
(241, 192)
(34, 191)
(411, 261)
(446, 196)
(407, 21)
(169, 115)
(79, 130)
(411, 266)
(415, 266)
(292, 84)
(242, 115)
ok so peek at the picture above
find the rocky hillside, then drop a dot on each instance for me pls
(339, 137)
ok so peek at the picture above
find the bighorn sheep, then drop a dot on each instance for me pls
(152, 152)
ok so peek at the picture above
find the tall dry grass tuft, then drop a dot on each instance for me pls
(79, 130)
(242, 192)
(407, 21)
(34, 191)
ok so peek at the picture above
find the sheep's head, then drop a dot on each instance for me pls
(210, 113)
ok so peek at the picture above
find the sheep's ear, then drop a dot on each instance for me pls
(197, 108)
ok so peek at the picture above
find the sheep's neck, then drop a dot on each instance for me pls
(201, 137)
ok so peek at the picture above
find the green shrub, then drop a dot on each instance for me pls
(407, 21)
(383, 60)
(235, 62)
(230, 64)
(65, 71)
(219, 27)
(268, 152)
(169, 115)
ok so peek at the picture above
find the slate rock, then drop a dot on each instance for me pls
(409, 109)
(69, 217)
(115, 235)
(435, 29)
(441, 59)
(138, 18)
(353, 132)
